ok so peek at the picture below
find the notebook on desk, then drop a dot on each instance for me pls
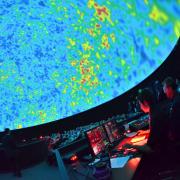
(119, 162)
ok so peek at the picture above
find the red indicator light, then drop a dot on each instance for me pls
(74, 158)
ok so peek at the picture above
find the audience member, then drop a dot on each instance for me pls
(154, 151)
(158, 123)
(170, 89)
(11, 151)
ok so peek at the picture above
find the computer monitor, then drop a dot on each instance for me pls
(98, 139)
(112, 131)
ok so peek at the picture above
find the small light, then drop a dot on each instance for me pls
(120, 148)
(128, 131)
(40, 137)
(74, 158)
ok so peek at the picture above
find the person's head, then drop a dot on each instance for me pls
(146, 99)
(169, 87)
(7, 131)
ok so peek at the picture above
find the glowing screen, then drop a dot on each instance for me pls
(98, 139)
(113, 131)
(62, 57)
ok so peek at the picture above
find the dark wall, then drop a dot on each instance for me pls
(171, 67)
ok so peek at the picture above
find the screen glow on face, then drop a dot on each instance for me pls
(62, 57)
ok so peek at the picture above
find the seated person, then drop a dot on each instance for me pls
(158, 136)
(11, 151)
(172, 94)
(154, 154)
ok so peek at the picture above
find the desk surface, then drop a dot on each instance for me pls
(81, 170)
(127, 172)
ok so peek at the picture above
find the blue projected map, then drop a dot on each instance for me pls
(59, 58)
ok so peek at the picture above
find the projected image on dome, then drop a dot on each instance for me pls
(59, 58)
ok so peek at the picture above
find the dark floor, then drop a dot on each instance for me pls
(41, 171)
